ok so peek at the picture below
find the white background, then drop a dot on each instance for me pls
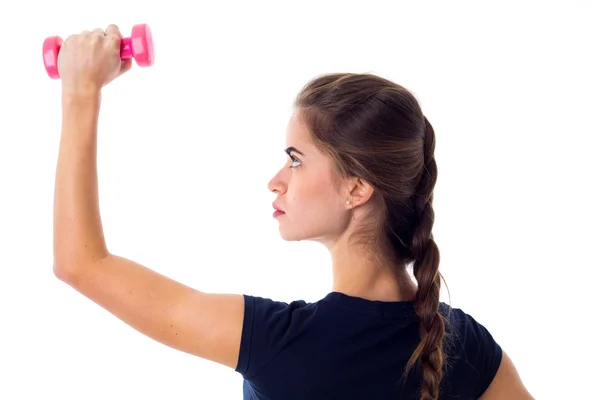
(186, 149)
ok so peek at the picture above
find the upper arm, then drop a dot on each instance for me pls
(507, 384)
(203, 324)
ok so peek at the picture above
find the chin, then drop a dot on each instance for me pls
(298, 236)
(290, 236)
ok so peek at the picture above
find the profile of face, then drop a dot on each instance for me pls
(313, 201)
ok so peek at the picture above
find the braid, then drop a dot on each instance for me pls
(340, 109)
(429, 353)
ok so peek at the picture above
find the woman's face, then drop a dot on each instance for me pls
(313, 201)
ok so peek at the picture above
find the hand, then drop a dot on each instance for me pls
(90, 60)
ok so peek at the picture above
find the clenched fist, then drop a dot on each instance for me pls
(91, 59)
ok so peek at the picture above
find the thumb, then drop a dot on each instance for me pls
(125, 66)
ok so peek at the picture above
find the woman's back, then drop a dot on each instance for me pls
(345, 347)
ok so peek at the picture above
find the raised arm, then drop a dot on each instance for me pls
(203, 324)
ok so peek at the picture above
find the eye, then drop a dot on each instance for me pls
(294, 160)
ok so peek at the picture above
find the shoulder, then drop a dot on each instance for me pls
(473, 356)
(461, 325)
(267, 326)
(256, 307)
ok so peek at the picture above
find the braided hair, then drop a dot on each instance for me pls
(374, 129)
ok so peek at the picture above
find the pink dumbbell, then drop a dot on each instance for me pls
(139, 46)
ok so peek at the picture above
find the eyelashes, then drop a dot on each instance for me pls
(289, 151)
(294, 160)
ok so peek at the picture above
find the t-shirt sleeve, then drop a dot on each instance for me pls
(266, 329)
(478, 354)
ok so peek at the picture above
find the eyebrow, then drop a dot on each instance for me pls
(295, 150)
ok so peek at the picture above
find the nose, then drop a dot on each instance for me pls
(277, 185)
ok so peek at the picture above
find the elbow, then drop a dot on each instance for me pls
(68, 262)
(65, 268)
(68, 268)
(62, 270)
(64, 261)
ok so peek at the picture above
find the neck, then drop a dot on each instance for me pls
(357, 273)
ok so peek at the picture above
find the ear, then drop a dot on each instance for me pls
(360, 191)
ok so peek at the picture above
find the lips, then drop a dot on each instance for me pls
(278, 211)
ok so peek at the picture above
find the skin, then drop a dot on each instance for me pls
(207, 325)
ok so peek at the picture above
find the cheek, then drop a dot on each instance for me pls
(314, 198)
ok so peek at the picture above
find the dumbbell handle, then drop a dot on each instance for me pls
(126, 48)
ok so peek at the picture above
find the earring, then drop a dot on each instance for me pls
(347, 201)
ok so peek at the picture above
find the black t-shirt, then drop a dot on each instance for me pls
(344, 347)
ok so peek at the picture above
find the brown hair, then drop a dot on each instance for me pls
(374, 129)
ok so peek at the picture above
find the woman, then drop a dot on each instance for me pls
(360, 180)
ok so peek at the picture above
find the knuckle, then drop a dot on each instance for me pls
(71, 38)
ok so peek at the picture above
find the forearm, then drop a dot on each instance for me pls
(78, 233)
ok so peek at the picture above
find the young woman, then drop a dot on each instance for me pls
(360, 180)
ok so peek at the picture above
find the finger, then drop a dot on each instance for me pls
(113, 30)
(114, 36)
(98, 31)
